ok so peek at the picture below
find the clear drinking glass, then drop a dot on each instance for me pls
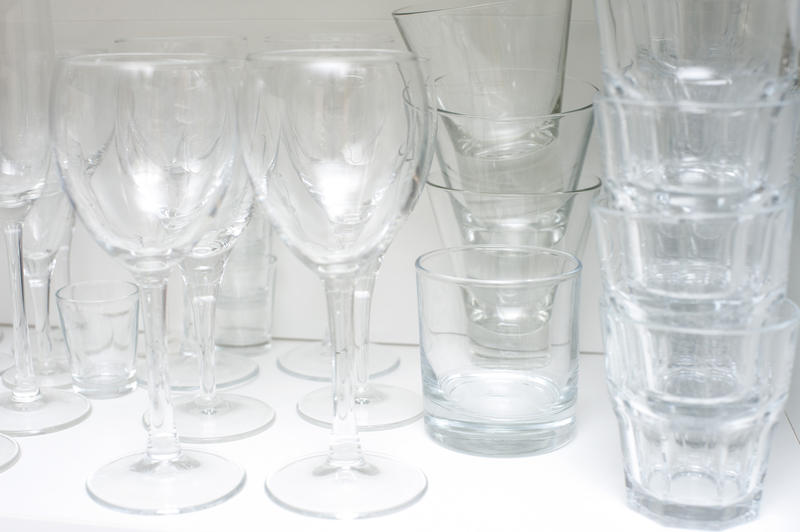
(482, 44)
(499, 347)
(556, 220)
(696, 156)
(708, 268)
(146, 145)
(338, 145)
(209, 415)
(696, 407)
(100, 320)
(26, 61)
(484, 145)
(247, 295)
(47, 226)
(184, 361)
(313, 361)
(709, 50)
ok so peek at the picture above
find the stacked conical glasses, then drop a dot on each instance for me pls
(497, 305)
(699, 118)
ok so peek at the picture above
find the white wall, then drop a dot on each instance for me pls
(96, 23)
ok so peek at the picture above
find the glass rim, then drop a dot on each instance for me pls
(329, 36)
(133, 291)
(209, 37)
(602, 205)
(146, 60)
(595, 185)
(567, 274)
(444, 5)
(593, 89)
(772, 322)
(604, 99)
(320, 55)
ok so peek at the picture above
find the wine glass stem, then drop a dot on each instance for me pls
(345, 448)
(162, 437)
(26, 389)
(37, 277)
(364, 286)
(202, 282)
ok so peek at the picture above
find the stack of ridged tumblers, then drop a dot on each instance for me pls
(699, 119)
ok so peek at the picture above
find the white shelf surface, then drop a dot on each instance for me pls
(578, 487)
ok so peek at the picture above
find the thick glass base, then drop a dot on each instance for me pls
(314, 361)
(379, 485)
(9, 452)
(379, 407)
(184, 371)
(191, 481)
(693, 516)
(226, 417)
(55, 375)
(494, 439)
(52, 410)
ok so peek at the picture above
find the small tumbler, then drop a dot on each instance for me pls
(244, 305)
(100, 322)
(499, 347)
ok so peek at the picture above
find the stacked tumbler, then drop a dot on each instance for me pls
(699, 118)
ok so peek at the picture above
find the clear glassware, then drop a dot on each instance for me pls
(146, 145)
(338, 144)
(313, 361)
(378, 406)
(9, 452)
(713, 51)
(26, 60)
(696, 407)
(48, 224)
(481, 45)
(184, 357)
(208, 415)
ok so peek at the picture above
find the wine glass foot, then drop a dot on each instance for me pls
(9, 452)
(184, 371)
(377, 486)
(378, 407)
(191, 481)
(56, 375)
(51, 411)
(313, 361)
(227, 417)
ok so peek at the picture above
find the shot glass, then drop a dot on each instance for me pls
(557, 220)
(499, 348)
(708, 268)
(711, 50)
(245, 302)
(696, 156)
(100, 321)
(696, 407)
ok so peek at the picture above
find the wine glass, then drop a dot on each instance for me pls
(338, 144)
(184, 361)
(26, 62)
(9, 452)
(47, 225)
(210, 416)
(146, 145)
(313, 361)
